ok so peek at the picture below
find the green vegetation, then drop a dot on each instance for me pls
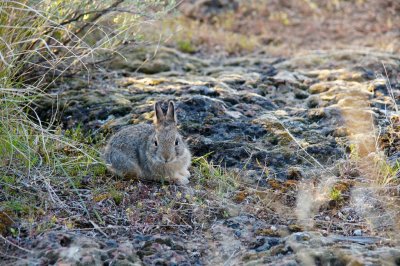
(214, 176)
(386, 172)
(186, 46)
(335, 195)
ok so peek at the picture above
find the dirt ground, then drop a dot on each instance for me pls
(285, 27)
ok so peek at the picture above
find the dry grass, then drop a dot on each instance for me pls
(284, 27)
(44, 169)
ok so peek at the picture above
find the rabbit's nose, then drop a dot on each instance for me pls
(167, 158)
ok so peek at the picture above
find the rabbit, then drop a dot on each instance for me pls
(150, 152)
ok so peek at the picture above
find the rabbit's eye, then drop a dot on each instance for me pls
(176, 142)
(155, 143)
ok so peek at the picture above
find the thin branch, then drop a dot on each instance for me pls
(95, 18)
(15, 245)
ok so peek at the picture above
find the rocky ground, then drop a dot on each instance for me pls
(281, 173)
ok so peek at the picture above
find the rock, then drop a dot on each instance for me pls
(252, 98)
(142, 66)
(265, 243)
(145, 60)
(232, 79)
(203, 90)
(316, 114)
(313, 102)
(111, 243)
(152, 67)
(357, 232)
(300, 94)
(289, 77)
(69, 249)
(319, 88)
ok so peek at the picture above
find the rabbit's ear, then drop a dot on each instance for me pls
(171, 114)
(159, 117)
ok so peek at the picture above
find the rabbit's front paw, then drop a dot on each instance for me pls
(182, 180)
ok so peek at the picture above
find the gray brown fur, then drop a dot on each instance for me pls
(151, 152)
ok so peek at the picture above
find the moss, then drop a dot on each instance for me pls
(17, 206)
(113, 193)
(240, 196)
(267, 232)
(275, 184)
(344, 185)
(295, 228)
(101, 197)
(335, 195)
(282, 186)
(117, 196)
(98, 169)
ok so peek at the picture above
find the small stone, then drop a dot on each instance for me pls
(313, 102)
(299, 94)
(316, 114)
(265, 243)
(153, 67)
(238, 233)
(111, 243)
(232, 79)
(288, 77)
(273, 228)
(327, 218)
(357, 232)
(319, 88)
(301, 236)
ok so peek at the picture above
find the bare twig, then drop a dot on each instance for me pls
(14, 245)
(98, 228)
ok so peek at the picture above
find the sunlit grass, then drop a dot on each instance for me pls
(214, 176)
